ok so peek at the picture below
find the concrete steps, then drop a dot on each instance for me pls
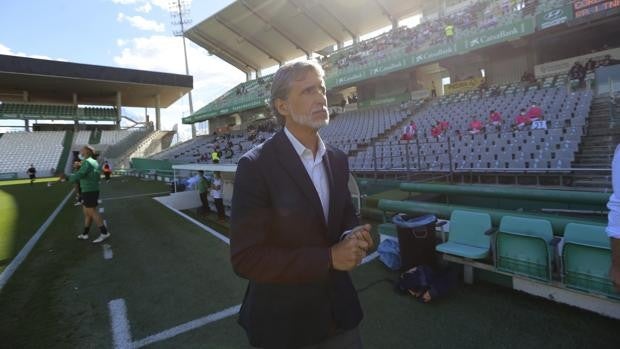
(596, 148)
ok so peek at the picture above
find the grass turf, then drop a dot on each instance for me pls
(27, 181)
(169, 272)
(28, 206)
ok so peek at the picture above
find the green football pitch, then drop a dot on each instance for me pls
(163, 280)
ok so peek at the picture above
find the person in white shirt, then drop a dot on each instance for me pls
(294, 231)
(613, 225)
(216, 194)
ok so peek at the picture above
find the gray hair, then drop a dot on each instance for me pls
(281, 84)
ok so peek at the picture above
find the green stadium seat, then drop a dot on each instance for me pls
(469, 235)
(523, 246)
(586, 259)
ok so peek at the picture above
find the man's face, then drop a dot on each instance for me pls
(306, 104)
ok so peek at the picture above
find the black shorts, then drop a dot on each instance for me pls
(32, 176)
(90, 199)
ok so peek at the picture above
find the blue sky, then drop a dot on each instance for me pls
(124, 33)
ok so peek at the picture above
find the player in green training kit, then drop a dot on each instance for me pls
(88, 176)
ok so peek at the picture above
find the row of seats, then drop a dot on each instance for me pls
(502, 148)
(20, 149)
(537, 149)
(527, 247)
(56, 110)
(346, 131)
(354, 128)
(110, 137)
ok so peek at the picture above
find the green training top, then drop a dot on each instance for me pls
(203, 185)
(88, 175)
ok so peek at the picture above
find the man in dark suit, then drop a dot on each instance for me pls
(294, 232)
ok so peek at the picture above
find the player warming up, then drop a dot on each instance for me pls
(88, 176)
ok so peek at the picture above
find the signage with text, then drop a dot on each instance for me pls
(586, 8)
(554, 17)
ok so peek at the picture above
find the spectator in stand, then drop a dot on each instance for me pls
(495, 118)
(449, 31)
(607, 61)
(521, 121)
(436, 131)
(577, 75)
(495, 91)
(409, 131)
(590, 66)
(433, 90)
(534, 113)
(475, 126)
(439, 129)
(444, 126)
(215, 156)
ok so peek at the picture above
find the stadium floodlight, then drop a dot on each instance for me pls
(179, 13)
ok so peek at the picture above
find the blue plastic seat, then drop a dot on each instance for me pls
(468, 237)
(586, 259)
(523, 246)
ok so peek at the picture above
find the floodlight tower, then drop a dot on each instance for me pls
(179, 13)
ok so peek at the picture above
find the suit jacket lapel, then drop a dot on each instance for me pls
(295, 168)
(332, 188)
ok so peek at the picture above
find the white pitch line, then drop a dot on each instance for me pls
(21, 256)
(121, 332)
(107, 251)
(188, 326)
(204, 227)
(134, 196)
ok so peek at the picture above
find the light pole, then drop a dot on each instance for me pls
(179, 12)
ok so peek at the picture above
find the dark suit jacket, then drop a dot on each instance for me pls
(280, 243)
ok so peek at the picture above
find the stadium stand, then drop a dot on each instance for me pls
(120, 141)
(141, 144)
(37, 109)
(478, 16)
(82, 138)
(109, 137)
(20, 149)
(57, 111)
(552, 148)
(349, 130)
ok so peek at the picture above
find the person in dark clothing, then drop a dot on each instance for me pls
(294, 231)
(203, 190)
(32, 173)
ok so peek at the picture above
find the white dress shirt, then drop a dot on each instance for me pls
(613, 226)
(216, 193)
(314, 167)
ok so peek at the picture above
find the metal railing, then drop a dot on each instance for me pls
(410, 158)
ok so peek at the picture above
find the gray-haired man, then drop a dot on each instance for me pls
(294, 232)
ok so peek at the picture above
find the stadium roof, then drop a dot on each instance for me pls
(55, 81)
(257, 34)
